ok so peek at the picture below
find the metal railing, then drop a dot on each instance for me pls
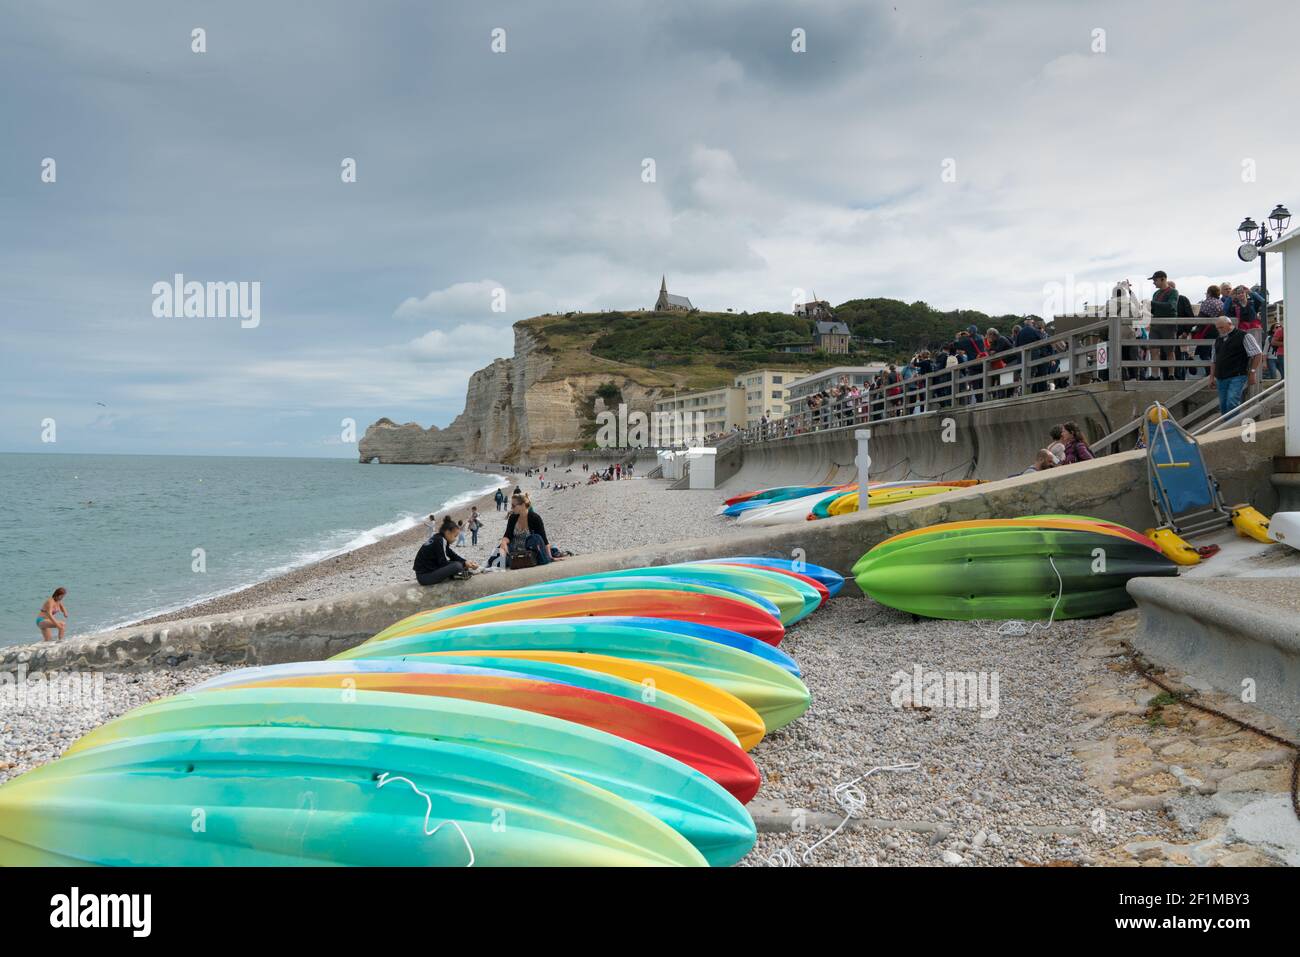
(1260, 402)
(1106, 350)
(1106, 441)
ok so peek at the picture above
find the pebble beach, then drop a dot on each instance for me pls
(1063, 766)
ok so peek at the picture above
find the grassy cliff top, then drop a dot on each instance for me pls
(699, 350)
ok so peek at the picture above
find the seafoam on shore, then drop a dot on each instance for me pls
(586, 519)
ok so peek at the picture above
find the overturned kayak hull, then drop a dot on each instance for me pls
(689, 802)
(275, 796)
(1024, 573)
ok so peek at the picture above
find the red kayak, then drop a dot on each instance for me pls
(666, 732)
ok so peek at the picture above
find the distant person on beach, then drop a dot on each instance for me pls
(1234, 364)
(1076, 447)
(460, 533)
(436, 562)
(46, 620)
(475, 523)
(500, 499)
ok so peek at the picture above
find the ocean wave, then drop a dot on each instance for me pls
(319, 552)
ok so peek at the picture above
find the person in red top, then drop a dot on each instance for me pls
(1276, 367)
(1243, 312)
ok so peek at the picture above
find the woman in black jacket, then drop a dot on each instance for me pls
(435, 561)
(525, 533)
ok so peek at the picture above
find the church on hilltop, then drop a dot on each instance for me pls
(670, 303)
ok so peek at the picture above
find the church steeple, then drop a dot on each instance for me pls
(669, 303)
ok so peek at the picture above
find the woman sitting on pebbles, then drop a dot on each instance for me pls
(436, 562)
(525, 543)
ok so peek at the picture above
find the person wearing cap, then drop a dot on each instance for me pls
(1164, 305)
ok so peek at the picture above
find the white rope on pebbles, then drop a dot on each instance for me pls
(1018, 629)
(852, 800)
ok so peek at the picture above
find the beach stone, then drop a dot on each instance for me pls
(1271, 822)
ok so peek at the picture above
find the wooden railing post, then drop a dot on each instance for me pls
(1114, 349)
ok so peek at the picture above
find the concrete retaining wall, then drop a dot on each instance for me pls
(1224, 638)
(991, 441)
(1113, 488)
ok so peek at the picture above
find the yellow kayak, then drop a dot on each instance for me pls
(846, 504)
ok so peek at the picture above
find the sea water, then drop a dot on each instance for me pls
(132, 536)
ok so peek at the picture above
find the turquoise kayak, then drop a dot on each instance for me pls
(689, 802)
(279, 796)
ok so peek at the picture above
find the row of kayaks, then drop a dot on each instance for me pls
(1036, 567)
(596, 720)
(798, 503)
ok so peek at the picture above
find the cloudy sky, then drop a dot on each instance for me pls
(970, 155)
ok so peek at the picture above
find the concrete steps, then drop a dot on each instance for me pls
(1239, 634)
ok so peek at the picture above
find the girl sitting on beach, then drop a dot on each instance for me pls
(524, 543)
(46, 621)
(436, 562)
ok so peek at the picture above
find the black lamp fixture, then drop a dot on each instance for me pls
(1247, 230)
(1280, 218)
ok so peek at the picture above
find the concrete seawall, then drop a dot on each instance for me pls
(990, 441)
(1113, 488)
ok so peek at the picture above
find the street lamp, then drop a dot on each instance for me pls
(1255, 237)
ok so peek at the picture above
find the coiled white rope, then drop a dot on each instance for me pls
(1017, 628)
(852, 800)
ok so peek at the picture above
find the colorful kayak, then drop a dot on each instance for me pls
(780, 492)
(670, 626)
(725, 613)
(775, 693)
(1009, 572)
(823, 593)
(831, 579)
(608, 683)
(792, 599)
(1066, 522)
(783, 513)
(275, 796)
(687, 801)
(733, 509)
(667, 733)
(848, 503)
(647, 579)
(652, 684)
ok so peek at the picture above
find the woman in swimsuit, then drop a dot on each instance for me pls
(46, 620)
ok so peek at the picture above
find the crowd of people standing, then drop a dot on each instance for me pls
(975, 366)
